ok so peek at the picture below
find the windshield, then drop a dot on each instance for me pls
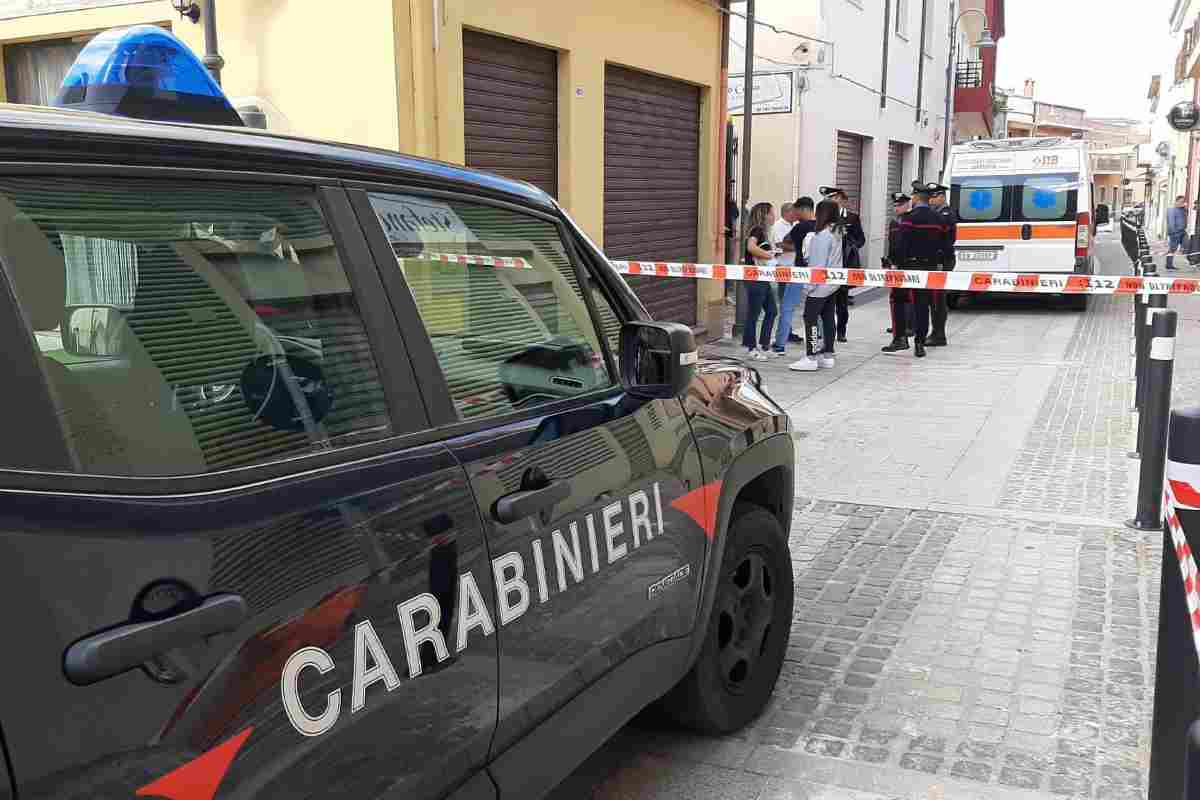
(1040, 197)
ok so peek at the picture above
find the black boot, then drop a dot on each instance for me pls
(919, 349)
(937, 340)
(898, 345)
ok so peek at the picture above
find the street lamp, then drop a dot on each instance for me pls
(986, 42)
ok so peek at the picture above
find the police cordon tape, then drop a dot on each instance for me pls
(959, 281)
(1183, 552)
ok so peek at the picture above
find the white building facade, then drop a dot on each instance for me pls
(860, 105)
(1172, 149)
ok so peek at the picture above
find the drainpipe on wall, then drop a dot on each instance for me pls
(921, 57)
(887, 18)
(949, 96)
(747, 127)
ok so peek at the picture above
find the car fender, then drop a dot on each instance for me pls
(776, 451)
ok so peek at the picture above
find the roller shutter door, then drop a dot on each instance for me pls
(510, 109)
(848, 171)
(652, 183)
(895, 171)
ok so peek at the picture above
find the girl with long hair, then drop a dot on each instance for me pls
(823, 250)
(759, 295)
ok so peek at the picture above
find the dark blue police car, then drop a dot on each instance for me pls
(330, 472)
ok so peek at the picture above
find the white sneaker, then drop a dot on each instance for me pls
(761, 355)
(750, 355)
(806, 364)
(826, 362)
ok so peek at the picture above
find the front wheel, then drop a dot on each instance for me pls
(748, 630)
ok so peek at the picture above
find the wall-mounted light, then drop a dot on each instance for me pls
(187, 8)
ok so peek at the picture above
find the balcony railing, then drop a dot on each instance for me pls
(968, 74)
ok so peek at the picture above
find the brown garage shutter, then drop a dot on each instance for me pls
(652, 183)
(849, 167)
(895, 171)
(510, 109)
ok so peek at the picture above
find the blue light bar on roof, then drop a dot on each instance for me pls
(147, 73)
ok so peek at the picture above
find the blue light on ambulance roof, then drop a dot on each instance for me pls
(144, 72)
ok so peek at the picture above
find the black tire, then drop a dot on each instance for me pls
(747, 632)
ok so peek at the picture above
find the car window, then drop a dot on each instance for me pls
(979, 199)
(500, 300)
(189, 327)
(1048, 197)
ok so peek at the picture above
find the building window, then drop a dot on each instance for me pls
(902, 18)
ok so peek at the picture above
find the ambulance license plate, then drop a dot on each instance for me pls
(977, 255)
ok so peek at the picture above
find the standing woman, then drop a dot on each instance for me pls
(759, 296)
(823, 250)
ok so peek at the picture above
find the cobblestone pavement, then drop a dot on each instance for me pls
(971, 620)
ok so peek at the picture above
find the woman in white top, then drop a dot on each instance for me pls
(823, 250)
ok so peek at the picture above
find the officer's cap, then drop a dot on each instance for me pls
(936, 188)
(829, 191)
(900, 197)
(920, 189)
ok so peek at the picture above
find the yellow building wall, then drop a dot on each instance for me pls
(678, 39)
(332, 75)
(389, 73)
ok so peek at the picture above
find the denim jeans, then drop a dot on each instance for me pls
(760, 299)
(793, 298)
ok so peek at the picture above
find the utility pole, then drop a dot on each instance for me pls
(212, 58)
(747, 126)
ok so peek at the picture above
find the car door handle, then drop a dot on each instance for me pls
(107, 653)
(519, 505)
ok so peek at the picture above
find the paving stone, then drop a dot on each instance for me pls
(921, 762)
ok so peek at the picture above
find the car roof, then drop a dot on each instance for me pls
(53, 135)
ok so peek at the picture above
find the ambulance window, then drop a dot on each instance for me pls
(500, 301)
(1048, 198)
(980, 199)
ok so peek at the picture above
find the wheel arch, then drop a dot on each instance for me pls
(762, 474)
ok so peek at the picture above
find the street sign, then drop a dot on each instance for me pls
(1184, 116)
(772, 93)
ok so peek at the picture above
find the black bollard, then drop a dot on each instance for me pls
(1154, 418)
(1155, 301)
(1173, 748)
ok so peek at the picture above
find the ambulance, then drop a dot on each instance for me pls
(1024, 205)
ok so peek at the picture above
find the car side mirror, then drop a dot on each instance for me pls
(658, 359)
(94, 331)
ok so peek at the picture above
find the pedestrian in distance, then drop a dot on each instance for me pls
(794, 294)
(760, 297)
(939, 307)
(853, 240)
(823, 250)
(1176, 229)
(920, 245)
(899, 307)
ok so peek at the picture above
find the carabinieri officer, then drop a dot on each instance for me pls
(921, 245)
(900, 298)
(938, 307)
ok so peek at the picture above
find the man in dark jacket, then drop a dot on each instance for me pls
(853, 240)
(939, 309)
(921, 243)
(898, 298)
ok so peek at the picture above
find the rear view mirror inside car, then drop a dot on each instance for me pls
(96, 331)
